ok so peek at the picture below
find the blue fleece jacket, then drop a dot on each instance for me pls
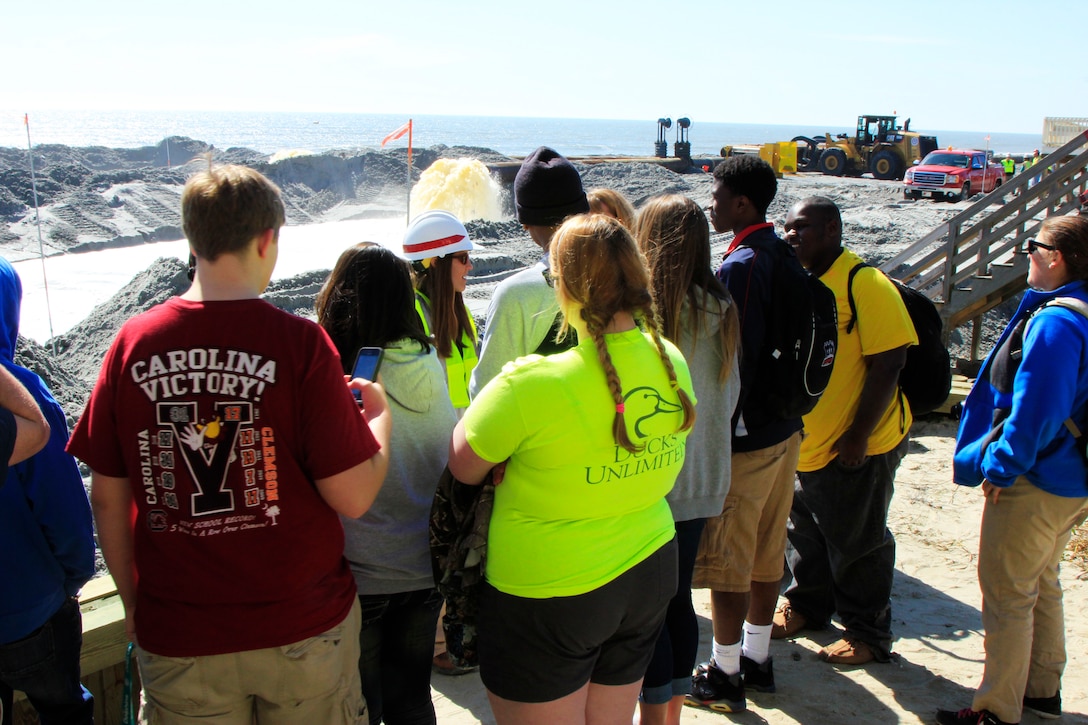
(1051, 384)
(46, 538)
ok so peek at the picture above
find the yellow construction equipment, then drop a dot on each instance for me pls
(879, 146)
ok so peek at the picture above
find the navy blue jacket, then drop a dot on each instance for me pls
(748, 275)
(46, 538)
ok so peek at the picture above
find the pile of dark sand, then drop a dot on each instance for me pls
(98, 198)
(352, 184)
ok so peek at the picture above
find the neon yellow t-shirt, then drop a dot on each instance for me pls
(883, 324)
(575, 510)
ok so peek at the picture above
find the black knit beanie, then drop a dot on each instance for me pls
(548, 189)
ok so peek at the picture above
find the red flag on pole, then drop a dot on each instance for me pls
(405, 129)
(398, 133)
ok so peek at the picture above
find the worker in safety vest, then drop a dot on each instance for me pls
(1031, 162)
(1009, 166)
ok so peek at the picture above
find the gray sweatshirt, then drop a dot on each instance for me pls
(704, 480)
(519, 317)
(388, 547)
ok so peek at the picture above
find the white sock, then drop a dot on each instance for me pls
(727, 657)
(757, 642)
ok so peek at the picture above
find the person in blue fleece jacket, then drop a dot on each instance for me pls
(1016, 439)
(46, 553)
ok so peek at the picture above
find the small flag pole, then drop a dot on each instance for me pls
(404, 128)
(986, 164)
(38, 219)
(408, 207)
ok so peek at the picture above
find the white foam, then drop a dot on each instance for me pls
(80, 282)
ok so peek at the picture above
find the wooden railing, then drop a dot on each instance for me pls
(975, 260)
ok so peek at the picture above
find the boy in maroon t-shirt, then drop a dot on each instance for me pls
(223, 442)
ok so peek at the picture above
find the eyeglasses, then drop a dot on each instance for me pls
(461, 257)
(548, 277)
(1033, 245)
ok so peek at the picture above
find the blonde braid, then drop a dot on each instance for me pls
(619, 423)
(685, 400)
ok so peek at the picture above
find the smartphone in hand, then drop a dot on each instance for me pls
(367, 364)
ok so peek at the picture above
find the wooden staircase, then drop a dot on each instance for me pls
(976, 260)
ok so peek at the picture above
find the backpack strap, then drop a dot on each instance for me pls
(1069, 303)
(850, 296)
(1081, 308)
(850, 328)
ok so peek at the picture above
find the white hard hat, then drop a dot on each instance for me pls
(435, 234)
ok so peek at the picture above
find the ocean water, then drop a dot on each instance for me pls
(317, 132)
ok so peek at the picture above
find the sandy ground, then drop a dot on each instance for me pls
(935, 606)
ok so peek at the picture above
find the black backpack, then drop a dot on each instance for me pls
(801, 337)
(926, 378)
(1006, 361)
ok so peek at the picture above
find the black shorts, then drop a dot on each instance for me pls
(539, 650)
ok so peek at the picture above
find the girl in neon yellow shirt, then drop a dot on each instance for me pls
(581, 556)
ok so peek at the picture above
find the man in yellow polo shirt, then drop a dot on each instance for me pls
(843, 556)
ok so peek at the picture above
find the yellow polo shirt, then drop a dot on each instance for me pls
(883, 324)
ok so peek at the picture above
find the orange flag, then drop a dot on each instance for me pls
(398, 133)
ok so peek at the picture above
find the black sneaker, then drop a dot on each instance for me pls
(713, 689)
(758, 677)
(1048, 708)
(967, 716)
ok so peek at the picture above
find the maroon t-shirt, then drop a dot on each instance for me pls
(222, 415)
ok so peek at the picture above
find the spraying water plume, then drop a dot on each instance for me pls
(460, 186)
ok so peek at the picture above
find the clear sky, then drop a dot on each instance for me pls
(996, 65)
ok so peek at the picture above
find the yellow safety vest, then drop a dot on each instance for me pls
(462, 359)
(1009, 165)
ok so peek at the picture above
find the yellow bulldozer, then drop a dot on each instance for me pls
(879, 146)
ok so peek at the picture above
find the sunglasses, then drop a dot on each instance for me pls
(461, 257)
(1033, 245)
(548, 277)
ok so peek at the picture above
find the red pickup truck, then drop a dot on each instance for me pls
(954, 174)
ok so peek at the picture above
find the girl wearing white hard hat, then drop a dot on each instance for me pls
(438, 246)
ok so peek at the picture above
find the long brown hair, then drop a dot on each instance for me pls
(596, 263)
(674, 235)
(449, 318)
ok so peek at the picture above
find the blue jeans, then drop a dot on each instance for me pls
(842, 555)
(396, 644)
(669, 671)
(45, 666)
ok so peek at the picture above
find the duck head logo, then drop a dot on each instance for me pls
(643, 404)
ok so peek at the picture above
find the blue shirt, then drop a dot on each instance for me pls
(46, 538)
